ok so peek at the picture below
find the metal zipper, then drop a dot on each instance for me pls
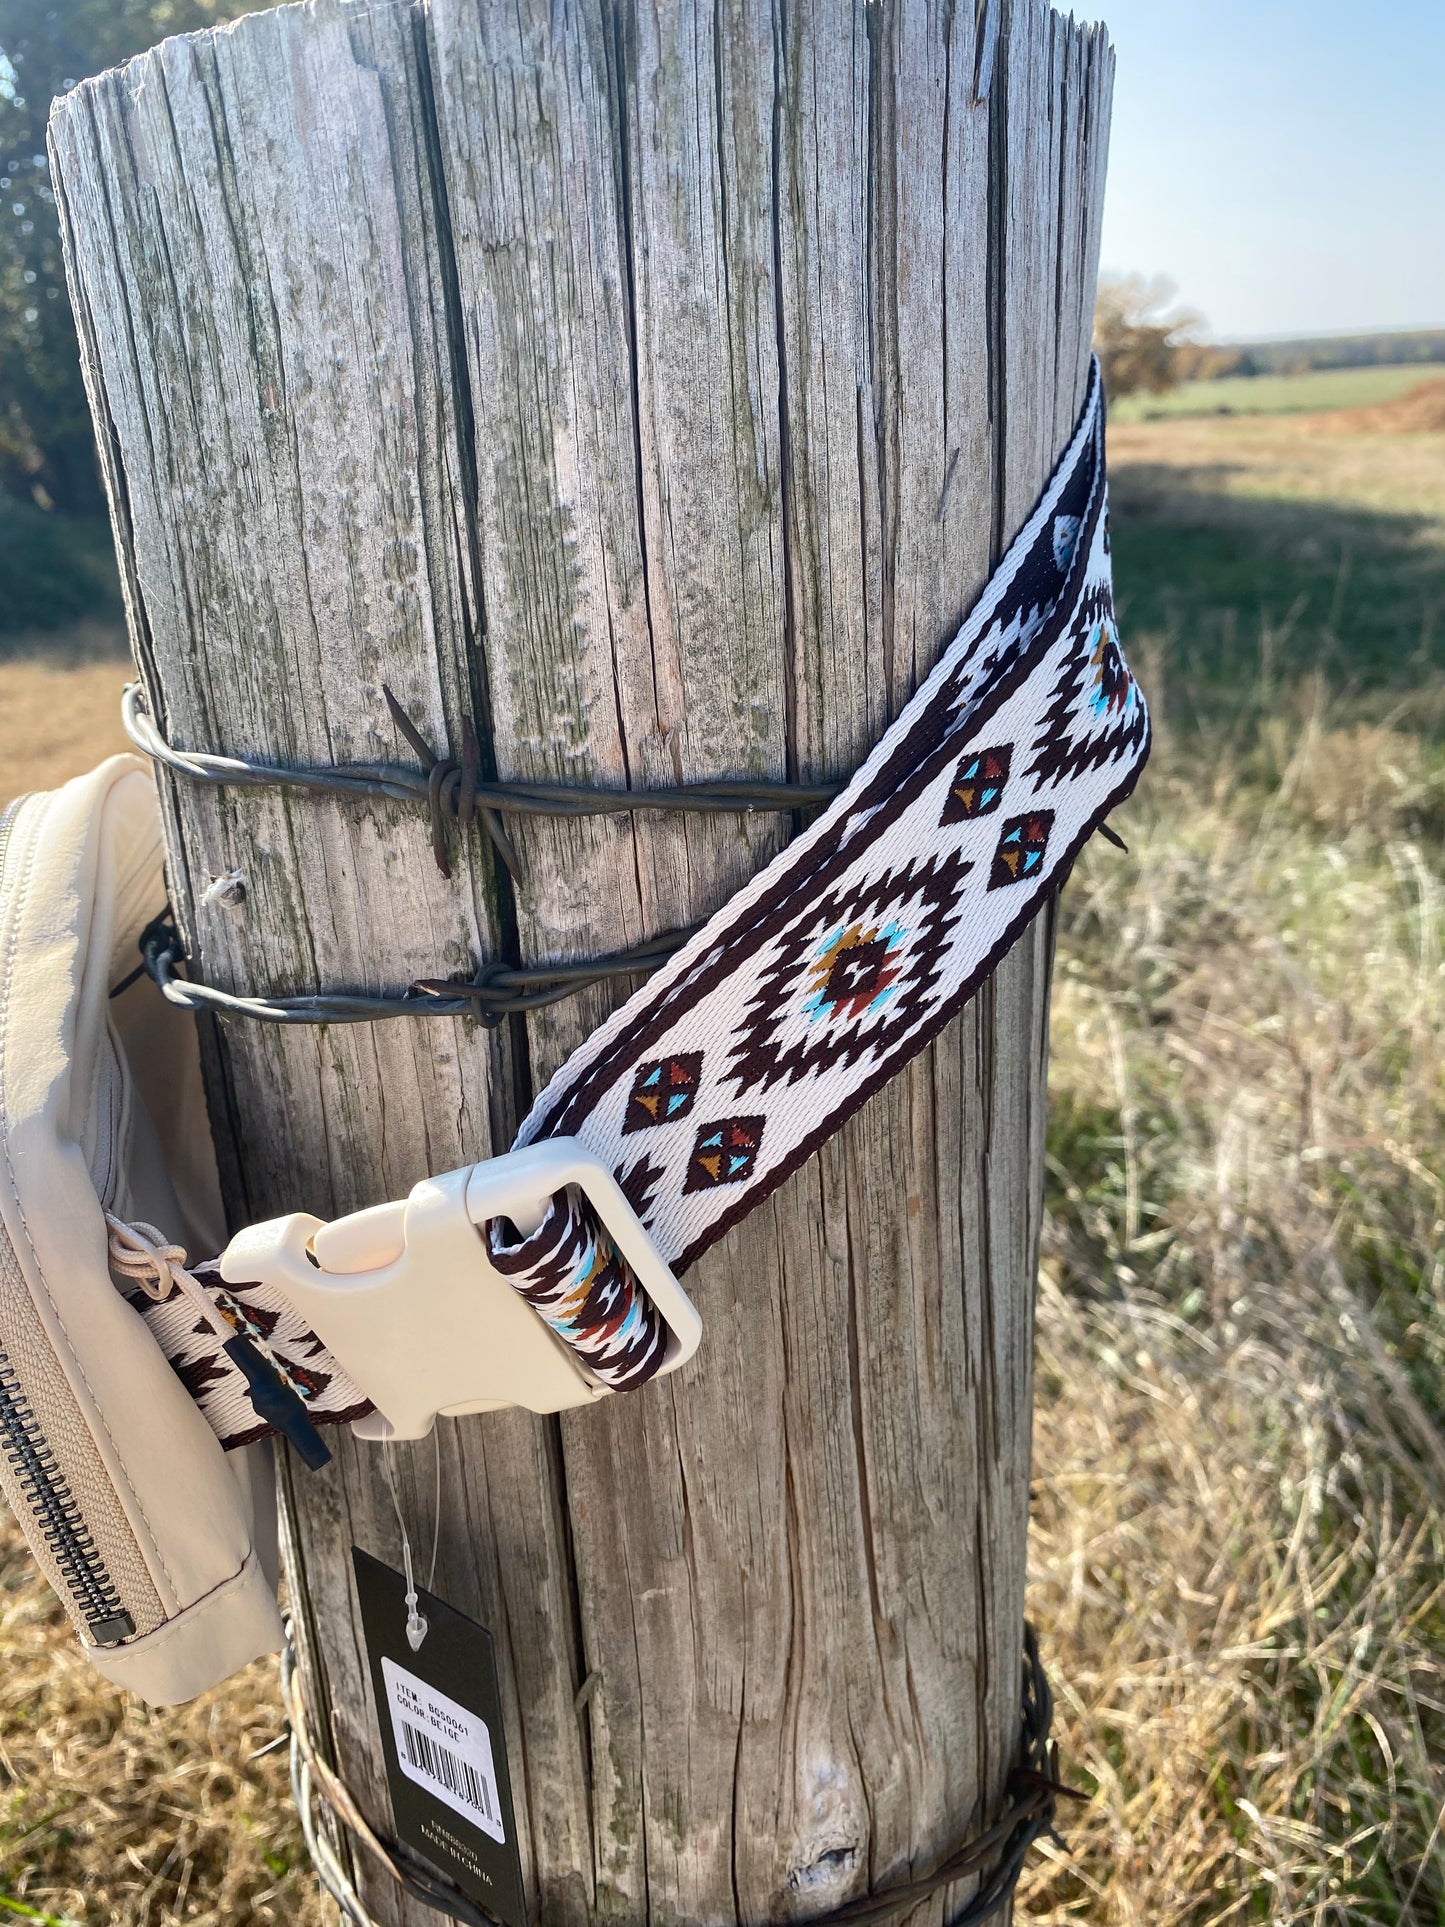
(44, 1487)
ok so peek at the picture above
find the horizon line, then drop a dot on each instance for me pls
(1323, 334)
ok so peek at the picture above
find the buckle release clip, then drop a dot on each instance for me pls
(407, 1299)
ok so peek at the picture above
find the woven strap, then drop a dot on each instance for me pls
(571, 1273)
(817, 982)
(267, 1319)
(839, 962)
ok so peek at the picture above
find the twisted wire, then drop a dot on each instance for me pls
(452, 789)
(498, 990)
(995, 1857)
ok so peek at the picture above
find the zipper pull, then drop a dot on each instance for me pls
(274, 1402)
(141, 1253)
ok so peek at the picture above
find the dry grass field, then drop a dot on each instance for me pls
(57, 717)
(1239, 1525)
(1239, 1529)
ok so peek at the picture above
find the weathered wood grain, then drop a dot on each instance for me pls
(257, 259)
(660, 382)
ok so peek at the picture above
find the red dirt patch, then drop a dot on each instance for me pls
(1420, 411)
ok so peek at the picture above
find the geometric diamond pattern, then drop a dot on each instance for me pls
(663, 1091)
(853, 970)
(977, 787)
(724, 1153)
(857, 969)
(1021, 846)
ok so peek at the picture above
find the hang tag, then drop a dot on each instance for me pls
(442, 1739)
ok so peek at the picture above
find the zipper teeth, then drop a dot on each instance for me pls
(43, 1485)
(52, 1504)
(7, 823)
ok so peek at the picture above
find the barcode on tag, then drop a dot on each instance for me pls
(444, 1768)
(444, 1748)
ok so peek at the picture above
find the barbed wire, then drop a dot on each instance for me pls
(497, 991)
(995, 1857)
(451, 788)
(452, 791)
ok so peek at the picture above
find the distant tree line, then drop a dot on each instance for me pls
(1335, 351)
(1147, 345)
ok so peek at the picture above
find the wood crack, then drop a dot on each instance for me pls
(658, 385)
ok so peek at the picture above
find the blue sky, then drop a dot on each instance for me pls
(1282, 163)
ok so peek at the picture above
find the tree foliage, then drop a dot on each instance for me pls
(46, 46)
(1140, 342)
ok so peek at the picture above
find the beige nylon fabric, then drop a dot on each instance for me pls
(101, 1108)
(48, 1391)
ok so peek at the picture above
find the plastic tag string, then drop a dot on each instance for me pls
(416, 1622)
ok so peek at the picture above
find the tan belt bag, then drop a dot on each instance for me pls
(159, 1544)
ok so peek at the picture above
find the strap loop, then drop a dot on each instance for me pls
(144, 1256)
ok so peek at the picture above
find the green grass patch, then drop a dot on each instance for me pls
(1252, 593)
(1303, 394)
(55, 570)
(1259, 566)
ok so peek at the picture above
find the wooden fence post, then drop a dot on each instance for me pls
(656, 382)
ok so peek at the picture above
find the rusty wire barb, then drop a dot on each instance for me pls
(451, 788)
(994, 1857)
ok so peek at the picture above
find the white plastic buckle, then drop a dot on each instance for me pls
(405, 1297)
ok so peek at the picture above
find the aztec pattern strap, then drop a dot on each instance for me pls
(278, 1332)
(820, 979)
(571, 1273)
(567, 1269)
